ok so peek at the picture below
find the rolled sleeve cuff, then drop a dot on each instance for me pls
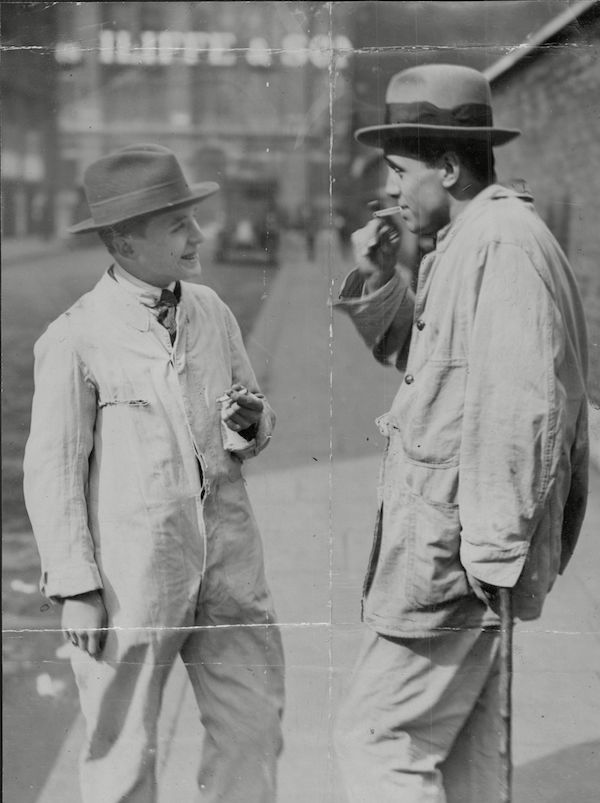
(60, 583)
(261, 438)
(372, 314)
(263, 433)
(501, 567)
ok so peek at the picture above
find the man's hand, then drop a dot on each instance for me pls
(84, 621)
(243, 409)
(485, 592)
(376, 248)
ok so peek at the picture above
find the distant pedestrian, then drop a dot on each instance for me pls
(484, 479)
(145, 407)
(309, 224)
(342, 226)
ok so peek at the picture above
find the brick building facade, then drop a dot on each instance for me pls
(551, 91)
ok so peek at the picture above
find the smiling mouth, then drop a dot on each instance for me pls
(190, 257)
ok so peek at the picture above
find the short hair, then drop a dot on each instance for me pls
(476, 156)
(135, 225)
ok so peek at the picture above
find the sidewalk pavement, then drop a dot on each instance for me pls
(313, 492)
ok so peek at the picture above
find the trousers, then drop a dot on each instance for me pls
(420, 723)
(237, 676)
(226, 634)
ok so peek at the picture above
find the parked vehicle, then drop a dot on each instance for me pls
(251, 229)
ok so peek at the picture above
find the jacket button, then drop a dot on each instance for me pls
(420, 324)
(409, 379)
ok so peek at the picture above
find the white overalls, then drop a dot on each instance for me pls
(120, 423)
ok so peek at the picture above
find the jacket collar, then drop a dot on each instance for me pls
(492, 193)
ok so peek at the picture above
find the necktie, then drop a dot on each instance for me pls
(166, 308)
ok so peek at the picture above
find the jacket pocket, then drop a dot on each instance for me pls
(434, 573)
(430, 411)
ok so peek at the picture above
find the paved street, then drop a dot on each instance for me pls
(313, 492)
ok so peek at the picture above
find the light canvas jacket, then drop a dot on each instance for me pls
(486, 463)
(120, 422)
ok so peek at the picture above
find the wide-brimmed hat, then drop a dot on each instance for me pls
(437, 101)
(134, 181)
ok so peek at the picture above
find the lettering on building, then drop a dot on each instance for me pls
(217, 48)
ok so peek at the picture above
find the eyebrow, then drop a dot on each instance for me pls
(391, 164)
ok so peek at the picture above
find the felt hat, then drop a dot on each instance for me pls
(437, 101)
(134, 181)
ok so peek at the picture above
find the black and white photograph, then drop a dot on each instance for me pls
(300, 401)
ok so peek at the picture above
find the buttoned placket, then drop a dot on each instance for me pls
(177, 361)
(425, 273)
(176, 352)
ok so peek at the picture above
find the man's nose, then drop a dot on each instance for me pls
(195, 232)
(392, 185)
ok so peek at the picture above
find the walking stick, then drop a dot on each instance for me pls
(506, 669)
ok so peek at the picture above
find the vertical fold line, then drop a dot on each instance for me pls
(331, 71)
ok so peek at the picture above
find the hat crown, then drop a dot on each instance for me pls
(444, 85)
(135, 168)
(437, 101)
(134, 181)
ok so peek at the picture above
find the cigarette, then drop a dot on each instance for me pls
(226, 397)
(391, 210)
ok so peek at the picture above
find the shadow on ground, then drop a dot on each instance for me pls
(571, 775)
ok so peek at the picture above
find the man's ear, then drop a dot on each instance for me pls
(124, 247)
(450, 169)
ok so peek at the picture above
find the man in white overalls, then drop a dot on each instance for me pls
(145, 407)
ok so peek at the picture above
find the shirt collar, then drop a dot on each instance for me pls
(145, 293)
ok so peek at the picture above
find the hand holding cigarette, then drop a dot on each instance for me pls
(376, 248)
(240, 409)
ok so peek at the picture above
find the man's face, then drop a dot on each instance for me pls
(421, 195)
(168, 250)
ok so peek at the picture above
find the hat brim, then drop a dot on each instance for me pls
(198, 192)
(380, 136)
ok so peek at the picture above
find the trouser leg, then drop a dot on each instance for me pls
(235, 659)
(237, 675)
(120, 698)
(471, 770)
(408, 701)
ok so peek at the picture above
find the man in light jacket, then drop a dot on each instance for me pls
(484, 479)
(145, 407)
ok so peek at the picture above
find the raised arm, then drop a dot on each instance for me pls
(377, 296)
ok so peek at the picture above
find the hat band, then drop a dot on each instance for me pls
(467, 115)
(137, 202)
